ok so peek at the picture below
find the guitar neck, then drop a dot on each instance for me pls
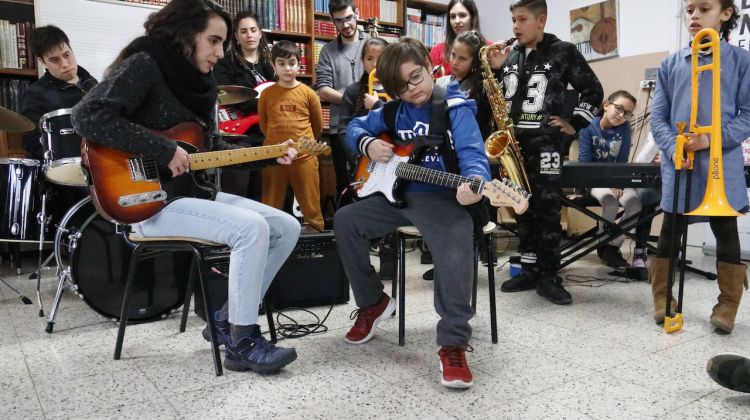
(219, 158)
(418, 173)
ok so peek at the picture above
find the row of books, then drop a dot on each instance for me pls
(281, 15)
(303, 69)
(11, 92)
(14, 42)
(319, 44)
(324, 27)
(384, 10)
(326, 116)
(232, 6)
(426, 27)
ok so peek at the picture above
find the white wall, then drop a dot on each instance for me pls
(645, 26)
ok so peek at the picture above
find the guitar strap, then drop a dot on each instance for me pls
(438, 137)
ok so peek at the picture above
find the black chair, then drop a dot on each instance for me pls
(411, 232)
(203, 253)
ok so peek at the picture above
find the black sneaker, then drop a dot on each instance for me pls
(550, 287)
(731, 371)
(611, 256)
(222, 332)
(257, 354)
(519, 283)
(429, 274)
(426, 258)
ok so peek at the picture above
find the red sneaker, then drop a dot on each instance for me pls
(455, 370)
(368, 319)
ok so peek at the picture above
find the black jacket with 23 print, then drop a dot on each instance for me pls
(535, 85)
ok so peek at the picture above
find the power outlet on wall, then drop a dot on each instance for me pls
(648, 84)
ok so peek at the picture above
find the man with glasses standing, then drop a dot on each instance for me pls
(340, 65)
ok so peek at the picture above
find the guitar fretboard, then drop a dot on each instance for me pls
(220, 158)
(414, 172)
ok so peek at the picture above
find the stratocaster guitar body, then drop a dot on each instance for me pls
(379, 178)
(389, 180)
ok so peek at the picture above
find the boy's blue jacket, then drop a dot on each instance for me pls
(412, 121)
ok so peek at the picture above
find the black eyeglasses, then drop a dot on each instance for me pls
(621, 110)
(342, 21)
(413, 81)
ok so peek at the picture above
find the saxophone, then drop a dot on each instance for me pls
(501, 144)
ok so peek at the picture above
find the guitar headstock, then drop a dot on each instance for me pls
(506, 193)
(311, 147)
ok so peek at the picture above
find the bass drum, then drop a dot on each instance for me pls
(99, 257)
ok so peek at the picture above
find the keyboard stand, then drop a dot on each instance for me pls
(575, 249)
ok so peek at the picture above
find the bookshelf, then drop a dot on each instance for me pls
(426, 21)
(17, 66)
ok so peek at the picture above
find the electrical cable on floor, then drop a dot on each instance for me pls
(293, 329)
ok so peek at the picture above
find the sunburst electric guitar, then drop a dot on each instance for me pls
(387, 179)
(129, 189)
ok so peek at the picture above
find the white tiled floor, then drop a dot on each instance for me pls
(600, 357)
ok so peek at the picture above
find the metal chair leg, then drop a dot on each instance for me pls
(475, 279)
(402, 288)
(491, 281)
(209, 314)
(189, 296)
(126, 300)
(269, 318)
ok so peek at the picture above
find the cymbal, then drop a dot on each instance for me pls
(13, 121)
(230, 95)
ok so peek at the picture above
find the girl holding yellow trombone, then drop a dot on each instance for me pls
(731, 117)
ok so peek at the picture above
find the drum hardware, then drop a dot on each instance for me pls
(24, 299)
(13, 121)
(231, 95)
(92, 260)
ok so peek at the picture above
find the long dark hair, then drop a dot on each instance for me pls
(177, 23)
(359, 105)
(726, 27)
(450, 34)
(264, 54)
(475, 41)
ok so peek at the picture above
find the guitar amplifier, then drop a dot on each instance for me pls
(312, 275)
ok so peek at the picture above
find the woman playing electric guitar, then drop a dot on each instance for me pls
(165, 78)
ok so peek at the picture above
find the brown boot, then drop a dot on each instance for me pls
(731, 278)
(657, 276)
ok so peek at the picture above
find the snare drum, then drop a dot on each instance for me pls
(62, 149)
(20, 191)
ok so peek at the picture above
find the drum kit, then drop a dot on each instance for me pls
(47, 202)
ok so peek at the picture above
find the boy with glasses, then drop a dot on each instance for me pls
(607, 139)
(404, 69)
(339, 65)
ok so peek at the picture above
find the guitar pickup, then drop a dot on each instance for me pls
(142, 198)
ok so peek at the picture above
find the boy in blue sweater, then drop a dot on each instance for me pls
(607, 139)
(404, 70)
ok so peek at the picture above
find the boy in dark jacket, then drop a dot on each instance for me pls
(536, 74)
(64, 83)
